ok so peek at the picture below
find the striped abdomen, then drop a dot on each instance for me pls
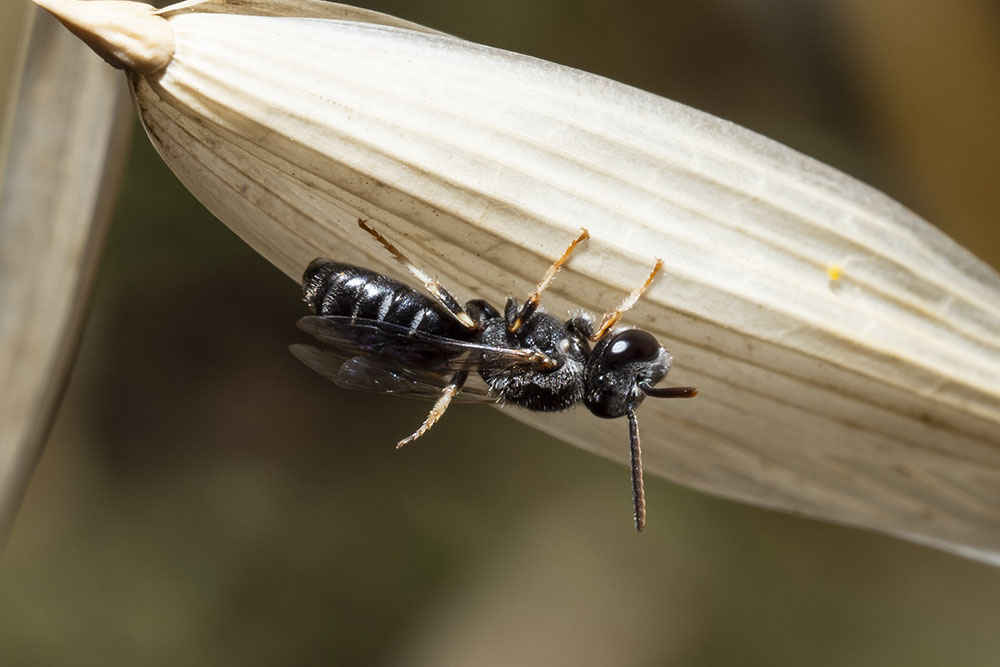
(335, 288)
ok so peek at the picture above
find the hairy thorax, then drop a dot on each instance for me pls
(546, 391)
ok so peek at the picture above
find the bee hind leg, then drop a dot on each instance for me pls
(433, 287)
(448, 393)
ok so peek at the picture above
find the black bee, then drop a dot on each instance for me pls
(382, 335)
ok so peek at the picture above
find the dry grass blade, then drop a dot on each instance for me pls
(66, 142)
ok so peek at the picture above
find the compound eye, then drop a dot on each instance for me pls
(630, 346)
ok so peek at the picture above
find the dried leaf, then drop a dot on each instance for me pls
(60, 173)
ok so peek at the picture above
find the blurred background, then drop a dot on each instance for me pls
(206, 500)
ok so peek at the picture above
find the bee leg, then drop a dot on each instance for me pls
(611, 319)
(433, 287)
(515, 321)
(440, 406)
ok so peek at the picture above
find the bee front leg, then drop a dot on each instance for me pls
(611, 318)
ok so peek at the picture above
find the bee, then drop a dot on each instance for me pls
(379, 334)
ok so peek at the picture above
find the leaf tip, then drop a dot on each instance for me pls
(128, 35)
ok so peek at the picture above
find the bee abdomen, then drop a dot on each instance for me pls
(345, 290)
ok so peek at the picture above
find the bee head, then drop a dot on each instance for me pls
(620, 369)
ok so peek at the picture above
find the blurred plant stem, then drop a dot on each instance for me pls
(67, 130)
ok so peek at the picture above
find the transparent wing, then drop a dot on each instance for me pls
(396, 346)
(373, 375)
